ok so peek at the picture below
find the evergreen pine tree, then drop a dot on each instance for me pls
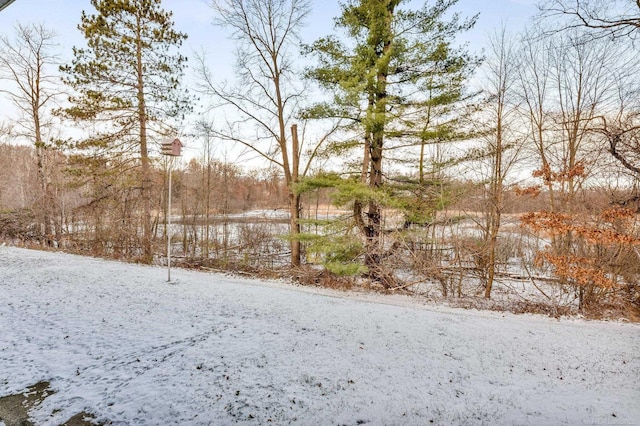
(396, 78)
(127, 87)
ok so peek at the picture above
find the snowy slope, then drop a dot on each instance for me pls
(119, 341)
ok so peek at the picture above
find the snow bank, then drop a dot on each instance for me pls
(119, 341)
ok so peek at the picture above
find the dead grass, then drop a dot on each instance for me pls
(322, 278)
(613, 311)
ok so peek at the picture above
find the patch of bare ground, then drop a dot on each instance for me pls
(14, 409)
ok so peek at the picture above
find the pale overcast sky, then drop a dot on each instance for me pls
(194, 18)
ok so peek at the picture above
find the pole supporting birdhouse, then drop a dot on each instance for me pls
(170, 149)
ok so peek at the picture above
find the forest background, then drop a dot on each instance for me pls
(390, 149)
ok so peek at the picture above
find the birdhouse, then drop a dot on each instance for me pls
(172, 148)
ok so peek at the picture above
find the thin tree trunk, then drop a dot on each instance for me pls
(294, 200)
(207, 219)
(496, 197)
(45, 200)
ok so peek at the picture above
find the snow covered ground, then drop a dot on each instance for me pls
(119, 341)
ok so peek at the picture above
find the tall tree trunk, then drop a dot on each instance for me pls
(45, 199)
(374, 255)
(374, 214)
(144, 157)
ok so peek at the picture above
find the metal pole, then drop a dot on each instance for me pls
(169, 227)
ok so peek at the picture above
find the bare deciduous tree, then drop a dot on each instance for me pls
(26, 63)
(205, 130)
(501, 78)
(623, 137)
(615, 18)
(565, 93)
(266, 97)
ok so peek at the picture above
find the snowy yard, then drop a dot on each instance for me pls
(117, 340)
